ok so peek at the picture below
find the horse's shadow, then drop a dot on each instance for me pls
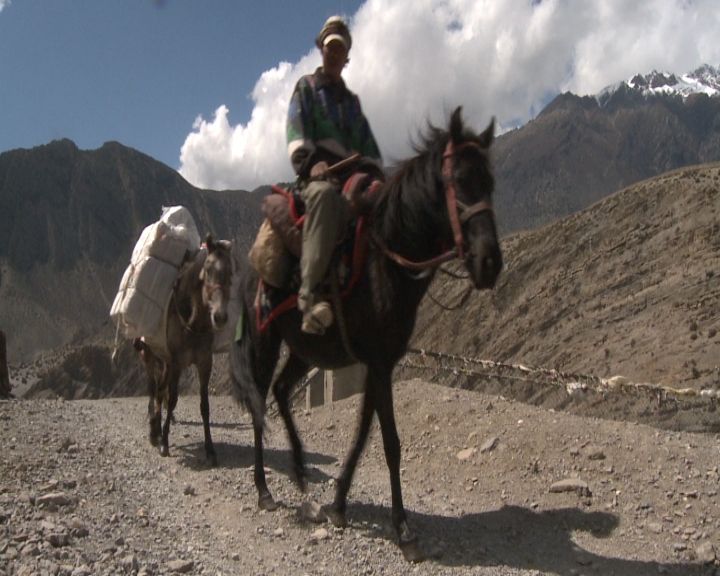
(225, 425)
(520, 538)
(232, 457)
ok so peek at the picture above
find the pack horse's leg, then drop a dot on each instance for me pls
(204, 369)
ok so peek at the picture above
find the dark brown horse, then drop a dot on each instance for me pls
(197, 309)
(438, 199)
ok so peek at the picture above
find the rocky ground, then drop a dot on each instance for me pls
(82, 492)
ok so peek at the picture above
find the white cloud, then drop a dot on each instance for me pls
(414, 60)
(4, 3)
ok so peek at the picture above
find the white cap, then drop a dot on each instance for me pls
(330, 37)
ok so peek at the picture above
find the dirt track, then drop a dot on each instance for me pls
(654, 505)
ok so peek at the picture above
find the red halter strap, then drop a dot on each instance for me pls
(458, 219)
(212, 288)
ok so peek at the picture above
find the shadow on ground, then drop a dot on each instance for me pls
(517, 537)
(232, 457)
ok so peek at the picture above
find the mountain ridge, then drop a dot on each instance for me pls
(577, 151)
(703, 80)
(70, 218)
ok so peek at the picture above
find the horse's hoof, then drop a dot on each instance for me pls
(154, 441)
(411, 551)
(164, 451)
(301, 482)
(266, 502)
(212, 459)
(336, 517)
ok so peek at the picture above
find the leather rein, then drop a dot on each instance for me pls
(458, 212)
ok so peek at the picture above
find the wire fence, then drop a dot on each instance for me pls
(614, 398)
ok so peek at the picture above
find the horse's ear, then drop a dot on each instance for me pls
(226, 244)
(209, 242)
(202, 274)
(456, 125)
(487, 136)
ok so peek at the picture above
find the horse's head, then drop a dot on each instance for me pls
(216, 277)
(468, 188)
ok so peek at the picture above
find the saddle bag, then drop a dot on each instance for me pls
(269, 257)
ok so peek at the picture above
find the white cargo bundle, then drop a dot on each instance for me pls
(147, 283)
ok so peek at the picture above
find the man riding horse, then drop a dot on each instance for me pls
(325, 125)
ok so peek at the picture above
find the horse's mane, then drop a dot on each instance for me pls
(414, 181)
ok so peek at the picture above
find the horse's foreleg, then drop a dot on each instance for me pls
(336, 511)
(293, 370)
(384, 406)
(171, 379)
(155, 410)
(263, 362)
(252, 363)
(204, 368)
(265, 499)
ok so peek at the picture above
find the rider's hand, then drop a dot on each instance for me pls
(319, 169)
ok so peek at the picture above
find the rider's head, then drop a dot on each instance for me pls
(334, 41)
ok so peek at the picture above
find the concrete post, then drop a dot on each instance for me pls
(347, 382)
(315, 390)
(329, 386)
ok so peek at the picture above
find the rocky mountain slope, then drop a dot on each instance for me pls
(69, 219)
(68, 222)
(629, 286)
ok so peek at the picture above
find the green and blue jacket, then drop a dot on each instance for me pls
(325, 122)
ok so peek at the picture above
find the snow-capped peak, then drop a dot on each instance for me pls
(704, 80)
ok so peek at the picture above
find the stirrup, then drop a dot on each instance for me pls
(317, 319)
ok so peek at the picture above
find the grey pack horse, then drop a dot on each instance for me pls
(197, 309)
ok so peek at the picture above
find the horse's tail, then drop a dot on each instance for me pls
(242, 369)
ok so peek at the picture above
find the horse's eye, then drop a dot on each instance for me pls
(464, 177)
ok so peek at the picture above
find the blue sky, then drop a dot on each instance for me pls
(203, 85)
(139, 71)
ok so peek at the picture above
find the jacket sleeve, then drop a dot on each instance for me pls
(299, 129)
(368, 145)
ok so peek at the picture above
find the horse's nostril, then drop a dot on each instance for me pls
(220, 317)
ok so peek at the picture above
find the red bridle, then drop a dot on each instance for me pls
(457, 217)
(210, 289)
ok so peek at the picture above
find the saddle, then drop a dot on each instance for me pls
(279, 243)
(286, 212)
(284, 215)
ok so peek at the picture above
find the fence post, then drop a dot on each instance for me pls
(4, 374)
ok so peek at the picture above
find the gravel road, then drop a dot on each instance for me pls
(493, 487)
